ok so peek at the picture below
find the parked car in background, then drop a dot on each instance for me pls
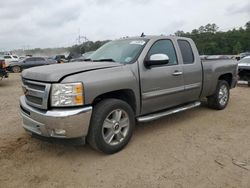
(242, 55)
(60, 58)
(203, 57)
(9, 58)
(3, 72)
(79, 59)
(28, 63)
(22, 57)
(244, 69)
(214, 57)
(83, 57)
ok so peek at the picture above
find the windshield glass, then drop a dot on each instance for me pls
(123, 51)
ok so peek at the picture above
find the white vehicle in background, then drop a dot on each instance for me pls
(244, 69)
(10, 58)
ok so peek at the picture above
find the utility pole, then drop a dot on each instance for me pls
(81, 38)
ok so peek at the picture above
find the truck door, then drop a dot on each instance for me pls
(162, 86)
(192, 69)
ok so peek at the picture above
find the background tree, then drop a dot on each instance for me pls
(211, 41)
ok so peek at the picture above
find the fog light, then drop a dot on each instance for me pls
(60, 132)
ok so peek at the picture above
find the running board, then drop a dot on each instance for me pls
(158, 115)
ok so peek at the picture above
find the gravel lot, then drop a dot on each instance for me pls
(196, 148)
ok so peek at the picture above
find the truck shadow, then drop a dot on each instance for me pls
(142, 130)
(170, 121)
(74, 148)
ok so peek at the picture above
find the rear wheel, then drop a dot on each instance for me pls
(16, 69)
(220, 98)
(112, 126)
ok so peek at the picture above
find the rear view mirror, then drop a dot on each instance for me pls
(157, 59)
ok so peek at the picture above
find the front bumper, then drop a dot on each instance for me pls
(57, 123)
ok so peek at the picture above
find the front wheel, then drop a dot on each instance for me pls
(16, 69)
(220, 98)
(112, 125)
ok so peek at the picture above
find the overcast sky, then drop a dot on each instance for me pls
(50, 23)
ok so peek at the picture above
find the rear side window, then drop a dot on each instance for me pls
(7, 57)
(186, 52)
(31, 59)
(164, 46)
(39, 59)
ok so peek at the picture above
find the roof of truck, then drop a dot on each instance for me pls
(155, 37)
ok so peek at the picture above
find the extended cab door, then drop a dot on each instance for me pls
(162, 86)
(192, 69)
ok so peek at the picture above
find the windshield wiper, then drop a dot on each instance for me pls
(88, 59)
(108, 59)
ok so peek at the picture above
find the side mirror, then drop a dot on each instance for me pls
(157, 59)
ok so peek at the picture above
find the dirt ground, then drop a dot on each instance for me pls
(197, 148)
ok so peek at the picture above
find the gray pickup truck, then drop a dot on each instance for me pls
(127, 80)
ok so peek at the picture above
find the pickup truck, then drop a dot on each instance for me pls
(126, 80)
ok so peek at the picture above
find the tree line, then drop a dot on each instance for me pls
(211, 41)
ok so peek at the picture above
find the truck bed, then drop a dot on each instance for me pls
(212, 69)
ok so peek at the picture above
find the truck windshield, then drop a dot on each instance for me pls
(122, 51)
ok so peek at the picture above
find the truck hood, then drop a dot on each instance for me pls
(54, 73)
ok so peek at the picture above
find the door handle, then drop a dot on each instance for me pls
(177, 73)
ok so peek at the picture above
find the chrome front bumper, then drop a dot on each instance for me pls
(57, 123)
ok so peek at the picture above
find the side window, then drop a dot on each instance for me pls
(30, 59)
(164, 47)
(186, 52)
(39, 59)
(7, 57)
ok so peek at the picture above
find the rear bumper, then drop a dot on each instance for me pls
(57, 123)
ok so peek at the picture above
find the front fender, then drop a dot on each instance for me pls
(99, 82)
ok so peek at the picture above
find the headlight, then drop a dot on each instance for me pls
(70, 94)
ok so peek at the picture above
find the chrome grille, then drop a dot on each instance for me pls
(36, 93)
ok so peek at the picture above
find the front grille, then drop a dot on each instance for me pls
(35, 100)
(36, 93)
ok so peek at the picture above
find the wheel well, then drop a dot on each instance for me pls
(227, 77)
(126, 95)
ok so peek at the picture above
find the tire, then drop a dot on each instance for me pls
(248, 83)
(112, 125)
(220, 98)
(16, 69)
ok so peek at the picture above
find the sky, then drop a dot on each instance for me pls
(26, 24)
